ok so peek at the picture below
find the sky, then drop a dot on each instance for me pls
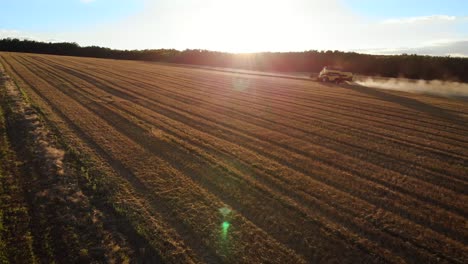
(432, 27)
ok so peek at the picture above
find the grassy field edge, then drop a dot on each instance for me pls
(16, 240)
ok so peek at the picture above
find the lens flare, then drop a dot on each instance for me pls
(225, 212)
(224, 229)
(240, 84)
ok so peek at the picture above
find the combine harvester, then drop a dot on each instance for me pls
(333, 74)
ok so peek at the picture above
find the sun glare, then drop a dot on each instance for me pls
(248, 26)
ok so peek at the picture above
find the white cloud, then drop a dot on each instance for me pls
(45, 37)
(420, 19)
(412, 35)
(5, 33)
(8, 33)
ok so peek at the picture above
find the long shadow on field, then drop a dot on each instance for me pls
(411, 103)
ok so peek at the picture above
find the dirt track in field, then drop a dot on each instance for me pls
(311, 172)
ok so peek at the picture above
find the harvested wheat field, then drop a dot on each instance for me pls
(168, 164)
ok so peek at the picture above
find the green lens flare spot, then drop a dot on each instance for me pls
(225, 227)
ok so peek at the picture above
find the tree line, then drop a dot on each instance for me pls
(405, 65)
